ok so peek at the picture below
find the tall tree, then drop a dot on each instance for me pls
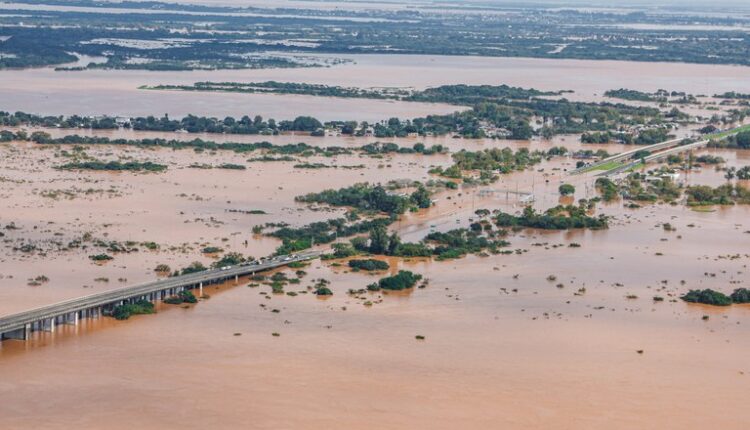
(379, 240)
(421, 197)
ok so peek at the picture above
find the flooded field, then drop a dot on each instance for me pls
(327, 352)
(552, 336)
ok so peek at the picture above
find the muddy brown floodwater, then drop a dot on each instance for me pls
(115, 92)
(504, 346)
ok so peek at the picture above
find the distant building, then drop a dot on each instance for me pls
(661, 176)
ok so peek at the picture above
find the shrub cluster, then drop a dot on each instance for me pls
(123, 312)
(557, 218)
(716, 298)
(183, 297)
(401, 281)
(368, 265)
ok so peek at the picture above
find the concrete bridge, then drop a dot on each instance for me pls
(20, 325)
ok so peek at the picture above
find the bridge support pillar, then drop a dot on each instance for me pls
(70, 318)
(19, 334)
(48, 325)
(236, 279)
(200, 289)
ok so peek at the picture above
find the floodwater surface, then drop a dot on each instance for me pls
(552, 335)
(115, 92)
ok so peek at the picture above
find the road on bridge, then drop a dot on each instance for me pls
(19, 321)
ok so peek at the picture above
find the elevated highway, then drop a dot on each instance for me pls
(627, 155)
(20, 325)
(624, 162)
(659, 156)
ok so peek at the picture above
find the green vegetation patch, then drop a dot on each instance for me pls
(707, 297)
(727, 194)
(558, 218)
(740, 295)
(368, 197)
(194, 267)
(401, 281)
(183, 297)
(140, 307)
(369, 265)
(115, 166)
